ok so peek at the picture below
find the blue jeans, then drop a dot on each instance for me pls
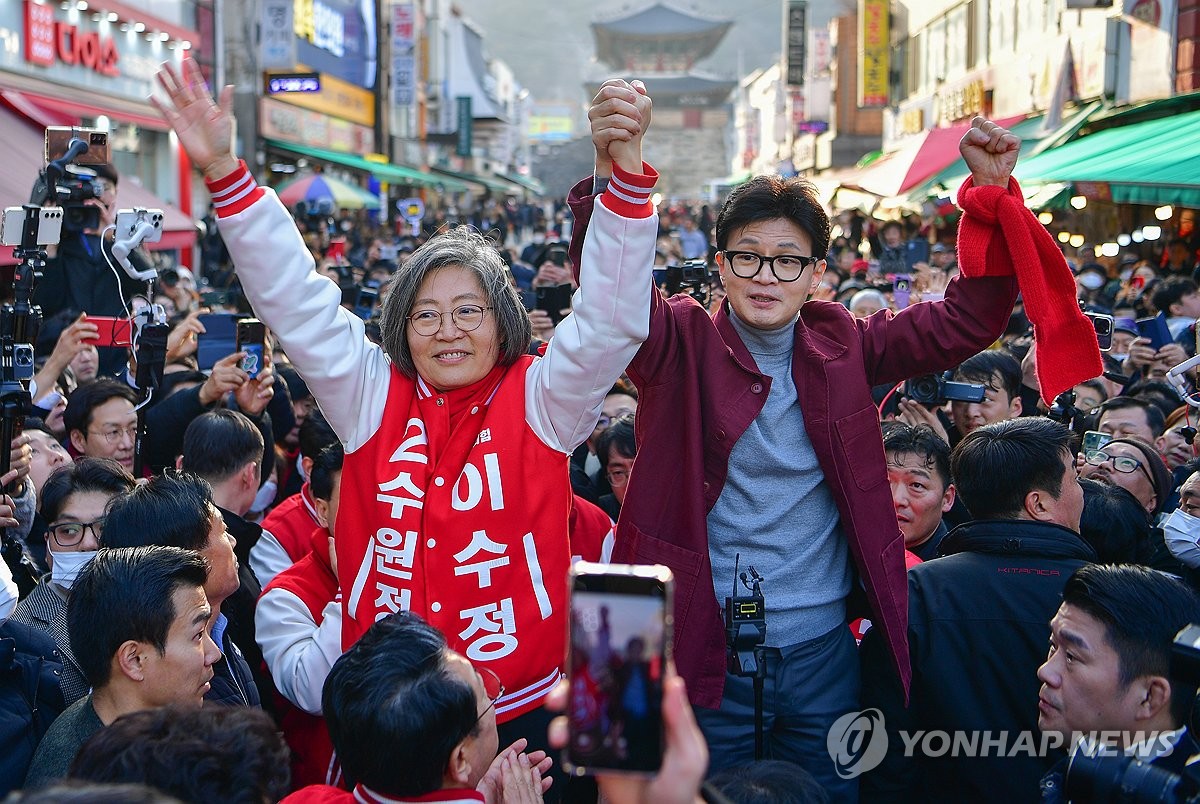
(807, 687)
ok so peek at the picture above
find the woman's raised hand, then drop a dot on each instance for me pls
(204, 127)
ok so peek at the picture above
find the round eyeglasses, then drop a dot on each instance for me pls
(467, 317)
(785, 267)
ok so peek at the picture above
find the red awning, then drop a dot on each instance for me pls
(24, 146)
(915, 161)
(62, 112)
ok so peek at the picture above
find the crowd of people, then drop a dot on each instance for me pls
(343, 576)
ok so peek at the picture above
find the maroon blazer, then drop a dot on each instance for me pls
(699, 390)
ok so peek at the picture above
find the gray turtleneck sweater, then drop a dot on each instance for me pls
(776, 509)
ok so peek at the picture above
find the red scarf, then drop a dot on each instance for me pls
(999, 236)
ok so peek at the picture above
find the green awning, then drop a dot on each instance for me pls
(493, 183)
(1153, 162)
(384, 171)
(528, 182)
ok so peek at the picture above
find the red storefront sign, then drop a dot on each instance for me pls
(48, 40)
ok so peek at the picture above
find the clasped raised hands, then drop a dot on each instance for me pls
(619, 114)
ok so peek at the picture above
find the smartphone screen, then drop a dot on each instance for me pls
(1094, 439)
(251, 339)
(113, 331)
(218, 340)
(902, 290)
(619, 645)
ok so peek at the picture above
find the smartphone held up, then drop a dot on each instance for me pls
(620, 643)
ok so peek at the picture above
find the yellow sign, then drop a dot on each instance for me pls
(337, 98)
(874, 42)
(910, 122)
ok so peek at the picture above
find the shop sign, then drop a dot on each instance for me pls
(961, 102)
(48, 41)
(281, 121)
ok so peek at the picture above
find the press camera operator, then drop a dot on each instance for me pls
(78, 277)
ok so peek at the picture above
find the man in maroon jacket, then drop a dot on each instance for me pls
(762, 417)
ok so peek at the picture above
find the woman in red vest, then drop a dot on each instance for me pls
(455, 494)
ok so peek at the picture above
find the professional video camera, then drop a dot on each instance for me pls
(66, 181)
(1113, 778)
(692, 277)
(934, 390)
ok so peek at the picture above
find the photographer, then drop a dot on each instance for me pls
(78, 277)
(1108, 669)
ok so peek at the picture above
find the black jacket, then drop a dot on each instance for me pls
(239, 607)
(30, 698)
(978, 629)
(232, 683)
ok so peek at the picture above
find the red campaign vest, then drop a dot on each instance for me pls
(466, 528)
(312, 580)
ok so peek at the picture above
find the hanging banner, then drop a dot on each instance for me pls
(404, 55)
(874, 38)
(277, 42)
(796, 41)
(462, 105)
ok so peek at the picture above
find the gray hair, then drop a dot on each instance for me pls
(460, 247)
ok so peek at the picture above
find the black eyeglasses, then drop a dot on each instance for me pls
(1122, 463)
(69, 534)
(786, 267)
(466, 317)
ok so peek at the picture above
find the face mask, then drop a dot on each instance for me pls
(1091, 280)
(67, 566)
(1126, 274)
(266, 496)
(1181, 531)
(1118, 356)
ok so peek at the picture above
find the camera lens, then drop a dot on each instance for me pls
(1108, 778)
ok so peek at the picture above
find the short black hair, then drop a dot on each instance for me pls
(1154, 416)
(922, 441)
(1142, 611)
(996, 466)
(216, 753)
(1159, 393)
(620, 437)
(68, 791)
(126, 594)
(217, 444)
(174, 508)
(770, 781)
(102, 475)
(765, 198)
(315, 435)
(1171, 290)
(1114, 523)
(86, 398)
(986, 366)
(327, 463)
(395, 711)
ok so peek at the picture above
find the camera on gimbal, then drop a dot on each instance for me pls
(692, 277)
(66, 181)
(1113, 778)
(934, 390)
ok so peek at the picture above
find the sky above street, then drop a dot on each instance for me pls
(549, 46)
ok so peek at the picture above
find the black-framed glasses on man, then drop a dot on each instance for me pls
(786, 267)
(467, 317)
(1122, 463)
(493, 688)
(69, 534)
(617, 476)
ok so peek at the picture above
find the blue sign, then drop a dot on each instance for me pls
(339, 38)
(293, 82)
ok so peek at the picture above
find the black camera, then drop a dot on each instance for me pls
(934, 390)
(692, 277)
(1118, 778)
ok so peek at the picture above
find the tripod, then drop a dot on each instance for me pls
(19, 323)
